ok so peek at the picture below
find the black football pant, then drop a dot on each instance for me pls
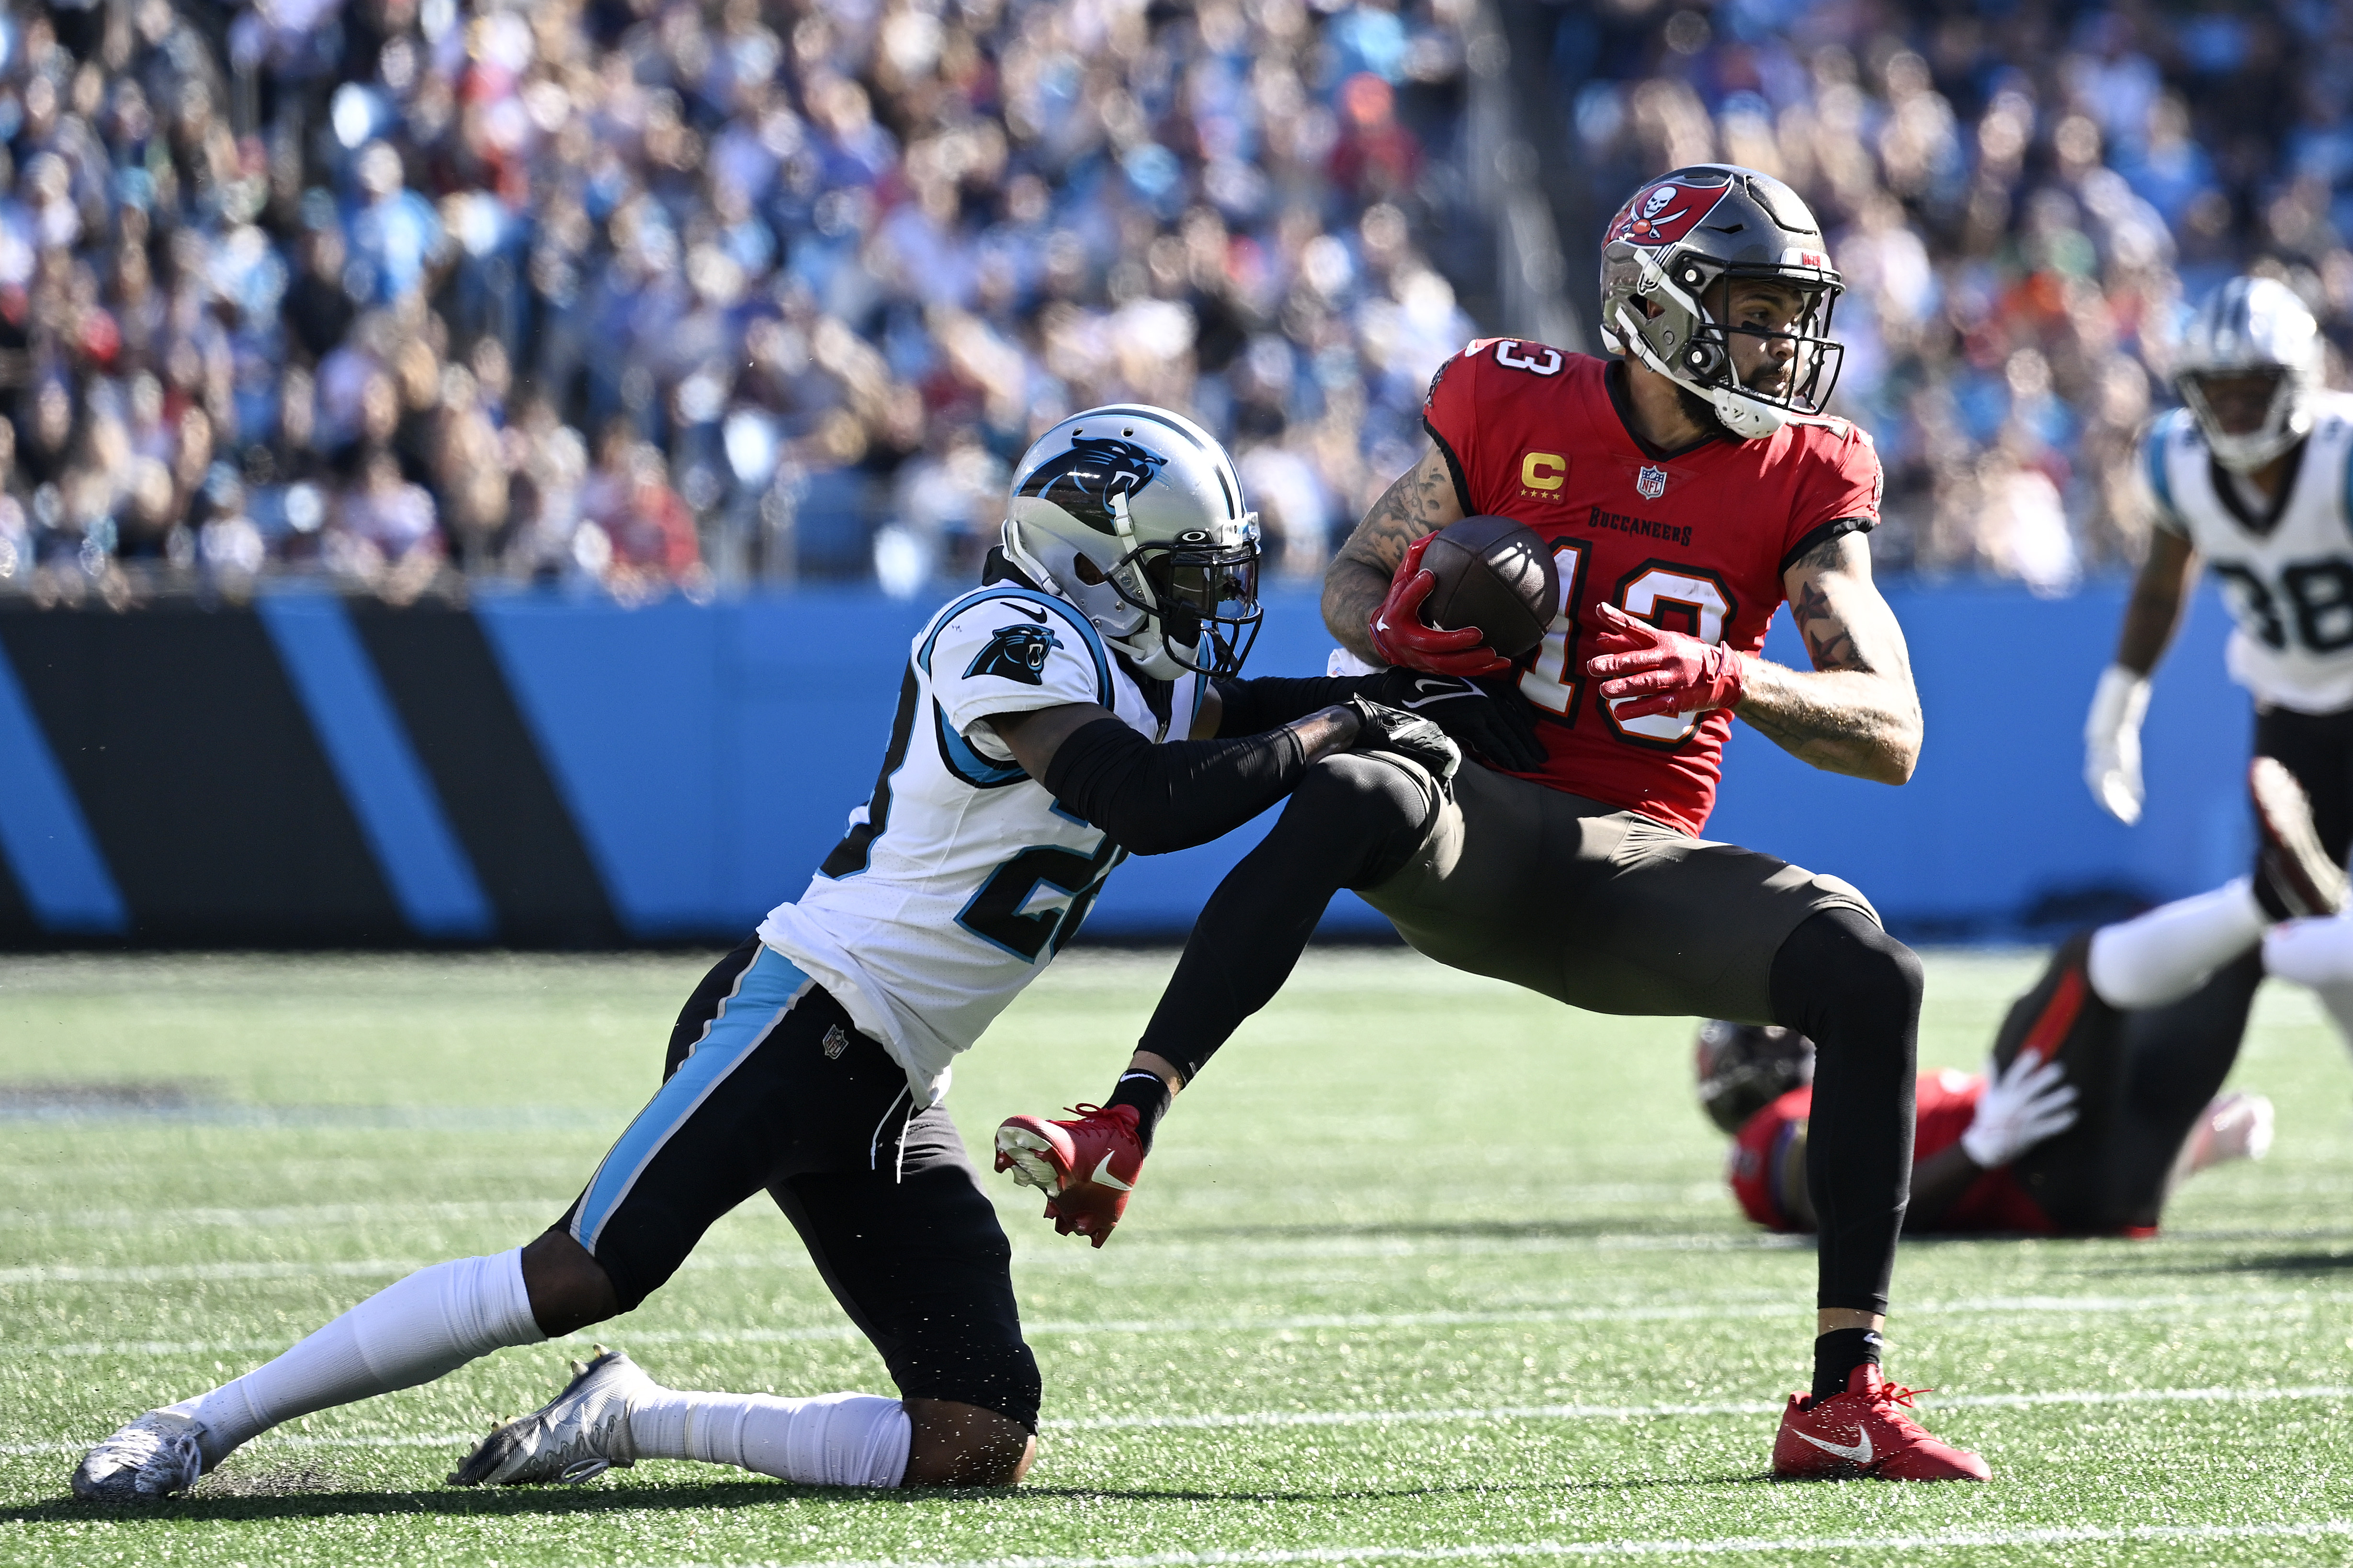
(2173, 1058)
(2145, 1076)
(1603, 909)
(769, 1085)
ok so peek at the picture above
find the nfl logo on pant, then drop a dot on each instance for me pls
(836, 1041)
(1652, 483)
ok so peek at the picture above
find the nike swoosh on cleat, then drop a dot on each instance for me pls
(1103, 1177)
(1859, 1454)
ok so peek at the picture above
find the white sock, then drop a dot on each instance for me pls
(2316, 952)
(432, 1323)
(830, 1441)
(2166, 953)
(2336, 1000)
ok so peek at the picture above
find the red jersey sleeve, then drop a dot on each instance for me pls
(1481, 424)
(1449, 413)
(1840, 491)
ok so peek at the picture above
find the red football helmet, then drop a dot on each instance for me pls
(1672, 242)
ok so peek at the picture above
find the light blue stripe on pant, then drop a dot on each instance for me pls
(765, 992)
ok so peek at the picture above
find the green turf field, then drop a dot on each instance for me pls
(1424, 1269)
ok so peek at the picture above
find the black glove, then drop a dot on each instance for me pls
(1380, 729)
(1492, 719)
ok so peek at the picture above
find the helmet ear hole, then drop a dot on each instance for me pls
(1133, 515)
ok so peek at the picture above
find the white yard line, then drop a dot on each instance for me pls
(281, 1440)
(1999, 1306)
(294, 1216)
(170, 1273)
(1655, 1412)
(1736, 1545)
(303, 1216)
(1445, 1416)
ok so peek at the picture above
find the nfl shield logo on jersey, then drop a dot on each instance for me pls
(1652, 483)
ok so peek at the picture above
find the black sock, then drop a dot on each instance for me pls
(1854, 991)
(1838, 1353)
(1149, 1093)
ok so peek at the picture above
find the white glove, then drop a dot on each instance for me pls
(2111, 743)
(2020, 1108)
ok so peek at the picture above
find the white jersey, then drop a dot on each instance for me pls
(2286, 569)
(961, 877)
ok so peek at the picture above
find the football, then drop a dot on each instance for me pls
(1495, 574)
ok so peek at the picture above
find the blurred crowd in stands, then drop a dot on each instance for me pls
(2025, 199)
(662, 295)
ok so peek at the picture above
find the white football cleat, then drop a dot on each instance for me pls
(148, 1459)
(2236, 1127)
(576, 1436)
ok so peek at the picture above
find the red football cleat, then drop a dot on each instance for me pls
(1863, 1433)
(1086, 1168)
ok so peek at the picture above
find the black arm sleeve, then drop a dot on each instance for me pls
(1155, 799)
(1254, 707)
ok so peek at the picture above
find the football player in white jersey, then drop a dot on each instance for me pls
(2254, 476)
(1081, 705)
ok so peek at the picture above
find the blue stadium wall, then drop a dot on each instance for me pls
(534, 771)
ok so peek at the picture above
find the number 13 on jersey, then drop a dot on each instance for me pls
(1657, 591)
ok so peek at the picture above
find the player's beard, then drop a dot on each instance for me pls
(1702, 413)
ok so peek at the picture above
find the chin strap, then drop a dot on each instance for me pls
(1744, 414)
(1146, 645)
(1031, 567)
(1154, 660)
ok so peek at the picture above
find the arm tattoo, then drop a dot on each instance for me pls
(1823, 557)
(1409, 508)
(1857, 713)
(1422, 500)
(1827, 639)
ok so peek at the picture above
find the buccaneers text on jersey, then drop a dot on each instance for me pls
(1696, 540)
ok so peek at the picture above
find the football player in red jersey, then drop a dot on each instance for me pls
(2018, 1149)
(1688, 485)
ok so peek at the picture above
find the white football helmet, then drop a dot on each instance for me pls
(1150, 504)
(2249, 326)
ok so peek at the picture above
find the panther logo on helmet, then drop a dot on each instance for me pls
(1133, 515)
(1082, 480)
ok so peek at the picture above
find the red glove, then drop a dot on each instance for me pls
(1403, 637)
(1664, 671)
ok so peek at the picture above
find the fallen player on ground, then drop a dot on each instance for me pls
(2025, 1147)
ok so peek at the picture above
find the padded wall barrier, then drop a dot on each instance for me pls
(538, 771)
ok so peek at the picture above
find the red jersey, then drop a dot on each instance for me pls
(1695, 540)
(1946, 1100)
